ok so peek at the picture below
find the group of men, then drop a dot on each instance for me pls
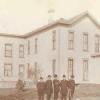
(54, 87)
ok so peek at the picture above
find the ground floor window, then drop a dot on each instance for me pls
(70, 67)
(21, 71)
(7, 70)
(53, 66)
(85, 69)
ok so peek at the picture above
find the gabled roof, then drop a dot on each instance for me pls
(61, 21)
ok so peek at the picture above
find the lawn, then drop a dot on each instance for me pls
(82, 91)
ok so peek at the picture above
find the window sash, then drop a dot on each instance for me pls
(53, 66)
(70, 68)
(97, 43)
(85, 70)
(7, 70)
(36, 47)
(54, 40)
(28, 47)
(85, 42)
(21, 51)
(71, 40)
(8, 50)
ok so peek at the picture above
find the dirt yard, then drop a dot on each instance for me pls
(84, 92)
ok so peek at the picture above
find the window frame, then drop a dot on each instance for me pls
(71, 40)
(54, 39)
(53, 66)
(85, 70)
(21, 52)
(6, 50)
(70, 67)
(19, 73)
(36, 46)
(7, 74)
(97, 43)
(85, 42)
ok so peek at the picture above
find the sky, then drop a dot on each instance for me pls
(23, 16)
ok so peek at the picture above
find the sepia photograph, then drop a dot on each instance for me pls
(49, 49)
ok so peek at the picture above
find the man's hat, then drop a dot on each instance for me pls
(41, 78)
(55, 75)
(49, 75)
(64, 75)
(72, 76)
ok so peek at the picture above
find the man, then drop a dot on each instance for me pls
(20, 85)
(49, 88)
(56, 87)
(41, 89)
(71, 85)
(64, 88)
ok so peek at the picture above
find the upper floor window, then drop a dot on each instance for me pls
(97, 43)
(28, 47)
(36, 47)
(8, 50)
(85, 69)
(7, 70)
(71, 40)
(54, 40)
(53, 66)
(85, 42)
(21, 51)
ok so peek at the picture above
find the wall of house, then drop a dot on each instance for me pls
(40, 63)
(87, 26)
(45, 53)
(14, 60)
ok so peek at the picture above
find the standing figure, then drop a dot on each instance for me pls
(20, 85)
(71, 86)
(56, 87)
(49, 88)
(64, 88)
(41, 89)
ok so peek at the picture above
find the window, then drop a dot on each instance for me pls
(21, 71)
(71, 40)
(28, 70)
(70, 67)
(36, 47)
(85, 70)
(21, 51)
(54, 40)
(53, 66)
(28, 47)
(97, 43)
(36, 72)
(85, 42)
(7, 70)
(8, 50)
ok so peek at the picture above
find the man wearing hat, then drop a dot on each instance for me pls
(56, 87)
(41, 89)
(49, 87)
(71, 86)
(64, 88)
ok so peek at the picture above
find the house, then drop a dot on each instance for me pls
(70, 47)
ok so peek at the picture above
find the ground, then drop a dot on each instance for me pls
(82, 92)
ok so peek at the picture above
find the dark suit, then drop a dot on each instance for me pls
(71, 86)
(56, 85)
(41, 90)
(64, 89)
(49, 89)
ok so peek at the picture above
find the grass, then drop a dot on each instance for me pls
(88, 90)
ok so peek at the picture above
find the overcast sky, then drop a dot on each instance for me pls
(22, 16)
